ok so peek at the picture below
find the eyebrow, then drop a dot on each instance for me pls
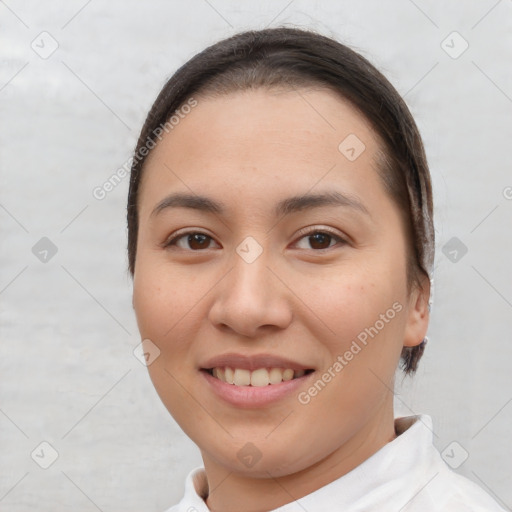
(285, 207)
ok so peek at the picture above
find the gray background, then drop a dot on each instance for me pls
(69, 120)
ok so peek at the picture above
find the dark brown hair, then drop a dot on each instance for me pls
(294, 58)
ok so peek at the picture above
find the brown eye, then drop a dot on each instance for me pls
(319, 240)
(192, 240)
(198, 241)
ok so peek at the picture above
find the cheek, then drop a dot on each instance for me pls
(367, 314)
(165, 305)
(366, 310)
(352, 303)
(162, 297)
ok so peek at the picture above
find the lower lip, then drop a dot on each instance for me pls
(254, 396)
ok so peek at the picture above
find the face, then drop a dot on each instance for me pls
(279, 317)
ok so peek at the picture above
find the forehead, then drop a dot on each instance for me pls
(250, 139)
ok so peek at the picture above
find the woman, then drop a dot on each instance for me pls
(281, 242)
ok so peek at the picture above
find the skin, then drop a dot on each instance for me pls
(302, 299)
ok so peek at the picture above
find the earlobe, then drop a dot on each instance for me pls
(418, 314)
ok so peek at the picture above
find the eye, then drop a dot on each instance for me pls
(320, 239)
(195, 240)
(317, 239)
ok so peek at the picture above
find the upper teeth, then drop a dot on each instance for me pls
(259, 377)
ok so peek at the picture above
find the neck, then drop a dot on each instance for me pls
(232, 492)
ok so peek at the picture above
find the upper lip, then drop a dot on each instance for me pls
(233, 360)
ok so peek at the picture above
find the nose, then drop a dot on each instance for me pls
(251, 299)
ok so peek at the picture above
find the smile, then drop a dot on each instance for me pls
(259, 377)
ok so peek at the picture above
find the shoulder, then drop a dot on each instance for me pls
(429, 483)
(176, 508)
(196, 489)
(447, 491)
(184, 507)
(466, 495)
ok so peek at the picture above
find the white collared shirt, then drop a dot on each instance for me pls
(406, 475)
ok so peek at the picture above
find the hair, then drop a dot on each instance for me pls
(293, 58)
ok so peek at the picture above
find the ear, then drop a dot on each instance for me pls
(418, 313)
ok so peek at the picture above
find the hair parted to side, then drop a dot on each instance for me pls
(290, 58)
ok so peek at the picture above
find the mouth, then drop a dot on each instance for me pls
(251, 381)
(259, 377)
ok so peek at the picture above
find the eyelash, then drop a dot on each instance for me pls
(303, 234)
